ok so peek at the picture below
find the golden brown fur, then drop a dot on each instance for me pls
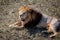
(30, 17)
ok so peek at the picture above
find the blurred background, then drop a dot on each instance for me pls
(9, 14)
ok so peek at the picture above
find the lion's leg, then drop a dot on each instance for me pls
(18, 24)
(13, 24)
(51, 29)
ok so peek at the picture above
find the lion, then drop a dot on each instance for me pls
(30, 17)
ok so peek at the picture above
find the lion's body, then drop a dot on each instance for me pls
(30, 17)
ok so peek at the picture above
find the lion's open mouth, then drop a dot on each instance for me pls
(22, 19)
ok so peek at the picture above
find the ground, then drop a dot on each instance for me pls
(9, 14)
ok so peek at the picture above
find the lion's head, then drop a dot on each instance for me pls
(29, 16)
(24, 13)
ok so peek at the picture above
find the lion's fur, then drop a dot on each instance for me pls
(35, 18)
(24, 8)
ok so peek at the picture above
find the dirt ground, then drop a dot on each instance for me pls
(9, 14)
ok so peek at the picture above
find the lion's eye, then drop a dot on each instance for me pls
(21, 15)
(24, 14)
